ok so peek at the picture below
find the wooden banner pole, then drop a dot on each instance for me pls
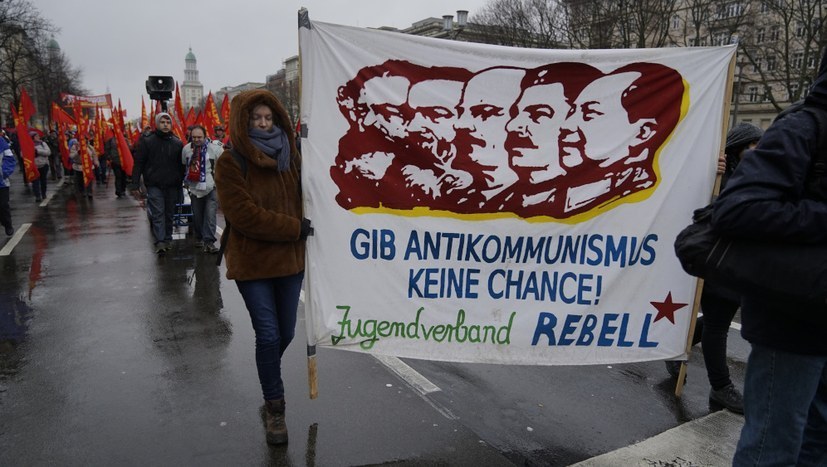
(699, 286)
(312, 381)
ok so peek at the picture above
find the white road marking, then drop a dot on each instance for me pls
(420, 383)
(14, 240)
(58, 184)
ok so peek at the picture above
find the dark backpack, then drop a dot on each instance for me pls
(795, 273)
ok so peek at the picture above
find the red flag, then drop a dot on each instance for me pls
(225, 117)
(191, 118)
(179, 106)
(83, 153)
(225, 111)
(60, 116)
(211, 116)
(24, 139)
(178, 131)
(27, 109)
(127, 162)
(144, 118)
(100, 128)
(63, 145)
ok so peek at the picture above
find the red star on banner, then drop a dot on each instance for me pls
(667, 308)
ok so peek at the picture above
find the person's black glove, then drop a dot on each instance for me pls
(307, 230)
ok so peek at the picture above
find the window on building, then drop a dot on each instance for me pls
(797, 61)
(767, 96)
(676, 22)
(752, 94)
(811, 62)
(756, 67)
(774, 33)
(721, 38)
(771, 63)
(799, 29)
(792, 92)
(759, 35)
(765, 7)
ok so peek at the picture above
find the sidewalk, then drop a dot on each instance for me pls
(706, 441)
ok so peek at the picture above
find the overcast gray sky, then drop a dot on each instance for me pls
(118, 43)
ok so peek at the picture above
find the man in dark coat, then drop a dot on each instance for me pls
(158, 161)
(785, 391)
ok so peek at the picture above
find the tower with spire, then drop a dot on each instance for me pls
(192, 91)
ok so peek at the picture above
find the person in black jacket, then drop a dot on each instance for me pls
(158, 161)
(719, 303)
(768, 198)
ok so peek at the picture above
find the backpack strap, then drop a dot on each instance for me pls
(242, 162)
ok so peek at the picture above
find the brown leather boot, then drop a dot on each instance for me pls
(274, 421)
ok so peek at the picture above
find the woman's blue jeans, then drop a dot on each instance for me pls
(272, 304)
(785, 405)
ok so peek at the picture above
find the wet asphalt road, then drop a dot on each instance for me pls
(112, 356)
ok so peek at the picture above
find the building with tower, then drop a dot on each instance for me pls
(192, 91)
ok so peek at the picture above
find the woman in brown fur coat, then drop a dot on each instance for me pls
(259, 191)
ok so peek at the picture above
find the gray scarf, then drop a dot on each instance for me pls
(273, 143)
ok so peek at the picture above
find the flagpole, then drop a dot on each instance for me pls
(312, 380)
(699, 286)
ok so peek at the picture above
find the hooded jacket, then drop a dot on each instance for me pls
(766, 199)
(263, 206)
(158, 160)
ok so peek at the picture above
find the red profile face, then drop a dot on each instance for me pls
(556, 141)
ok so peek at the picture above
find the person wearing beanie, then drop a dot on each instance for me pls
(718, 303)
(158, 161)
(769, 199)
(740, 138)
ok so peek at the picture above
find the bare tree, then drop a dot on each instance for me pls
(782, 47)
(521, 23)
(23, 29)
(590, 24)
(643, 23)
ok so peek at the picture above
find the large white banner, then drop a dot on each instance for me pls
(479, 203)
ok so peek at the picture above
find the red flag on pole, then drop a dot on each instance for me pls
(27, 109)
(63, 145)
(179, 106)
(83, 152)
(127, 162)
(60, 116)
(100, 129)
(144, 118)
(191, 118)
(24, 140)
(211, 115)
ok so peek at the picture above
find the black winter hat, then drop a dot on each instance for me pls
(741, 135)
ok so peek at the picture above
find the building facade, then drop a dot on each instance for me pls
(233, 91)
(779, 42)
(192, 91)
